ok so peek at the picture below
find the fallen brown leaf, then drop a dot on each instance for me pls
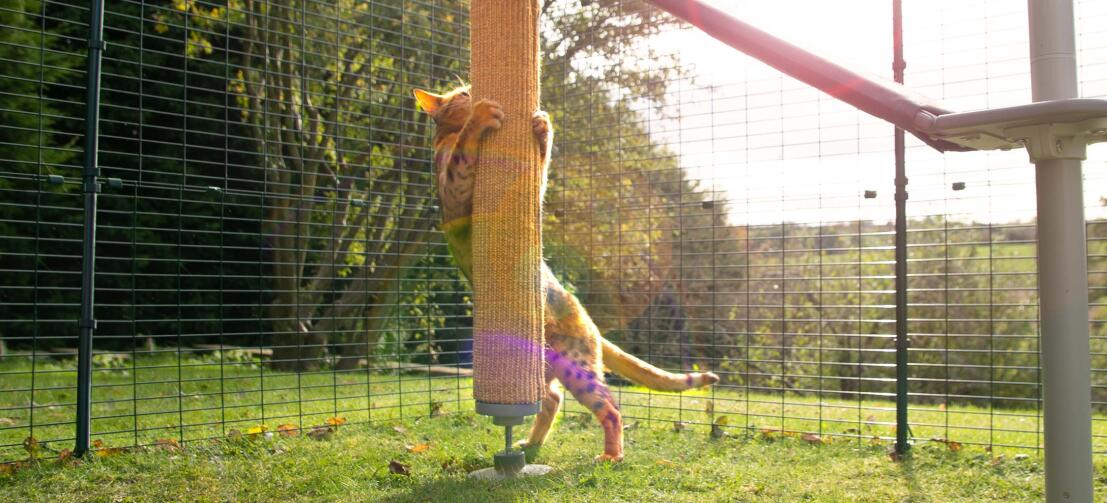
(10, 467)
(169, 444)
(399, 429)
(32, 446)
(417, 448)
(812, 438)
(321, 433)
(336, 421)
(109, 451)
(288, 430)
(399, 468)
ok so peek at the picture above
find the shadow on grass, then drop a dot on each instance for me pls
(460, 488)
(906, 466)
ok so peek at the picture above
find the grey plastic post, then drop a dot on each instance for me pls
(1062, 269)
(510, 463)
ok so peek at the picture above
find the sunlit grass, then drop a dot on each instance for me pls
(160, 396)
(662, 464)
(671, 455)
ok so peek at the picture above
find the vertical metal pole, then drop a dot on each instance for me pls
(90, 187)
(1062, 266)
(902, 343)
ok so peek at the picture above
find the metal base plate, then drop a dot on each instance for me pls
(494, 474)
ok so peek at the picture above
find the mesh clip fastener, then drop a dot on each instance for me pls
(87, 323)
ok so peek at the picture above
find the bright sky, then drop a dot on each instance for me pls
(781, 151)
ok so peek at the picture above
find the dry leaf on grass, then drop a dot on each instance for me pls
(953, 446)
(336, 421)
(169, 444)
(321, 433)
(288, 430)
(399, 429)
(399, 468)
(417, 448)
(32, 446)
(10, 467)
(812, 438)
(109, 451)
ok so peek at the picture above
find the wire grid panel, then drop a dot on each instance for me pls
(973, 276)
(739, 222)
(270, 256)
(756, 240)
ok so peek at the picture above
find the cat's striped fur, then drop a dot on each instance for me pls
(576, 353)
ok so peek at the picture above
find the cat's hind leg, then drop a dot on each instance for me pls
(577, 369)
(597, 398)
(551, 403)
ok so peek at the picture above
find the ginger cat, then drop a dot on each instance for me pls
(576, 353)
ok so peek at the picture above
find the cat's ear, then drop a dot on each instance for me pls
(429, 102)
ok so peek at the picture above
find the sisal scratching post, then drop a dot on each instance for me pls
(508, 363)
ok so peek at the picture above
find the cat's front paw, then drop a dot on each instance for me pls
(487, 116)
(609, 458)
(540, 124)
(530, 450)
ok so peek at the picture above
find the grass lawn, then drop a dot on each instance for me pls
(661, 465)
(203, 405)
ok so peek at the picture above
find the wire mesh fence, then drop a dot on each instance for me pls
(268, 255)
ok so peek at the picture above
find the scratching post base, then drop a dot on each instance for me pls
(526, 471)
(510, 463)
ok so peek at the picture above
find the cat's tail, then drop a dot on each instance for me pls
(642, 373)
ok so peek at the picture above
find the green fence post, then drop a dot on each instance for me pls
(902, 343)
(90, 188)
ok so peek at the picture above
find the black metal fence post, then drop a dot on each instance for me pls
(902, 343)
(90, 187)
